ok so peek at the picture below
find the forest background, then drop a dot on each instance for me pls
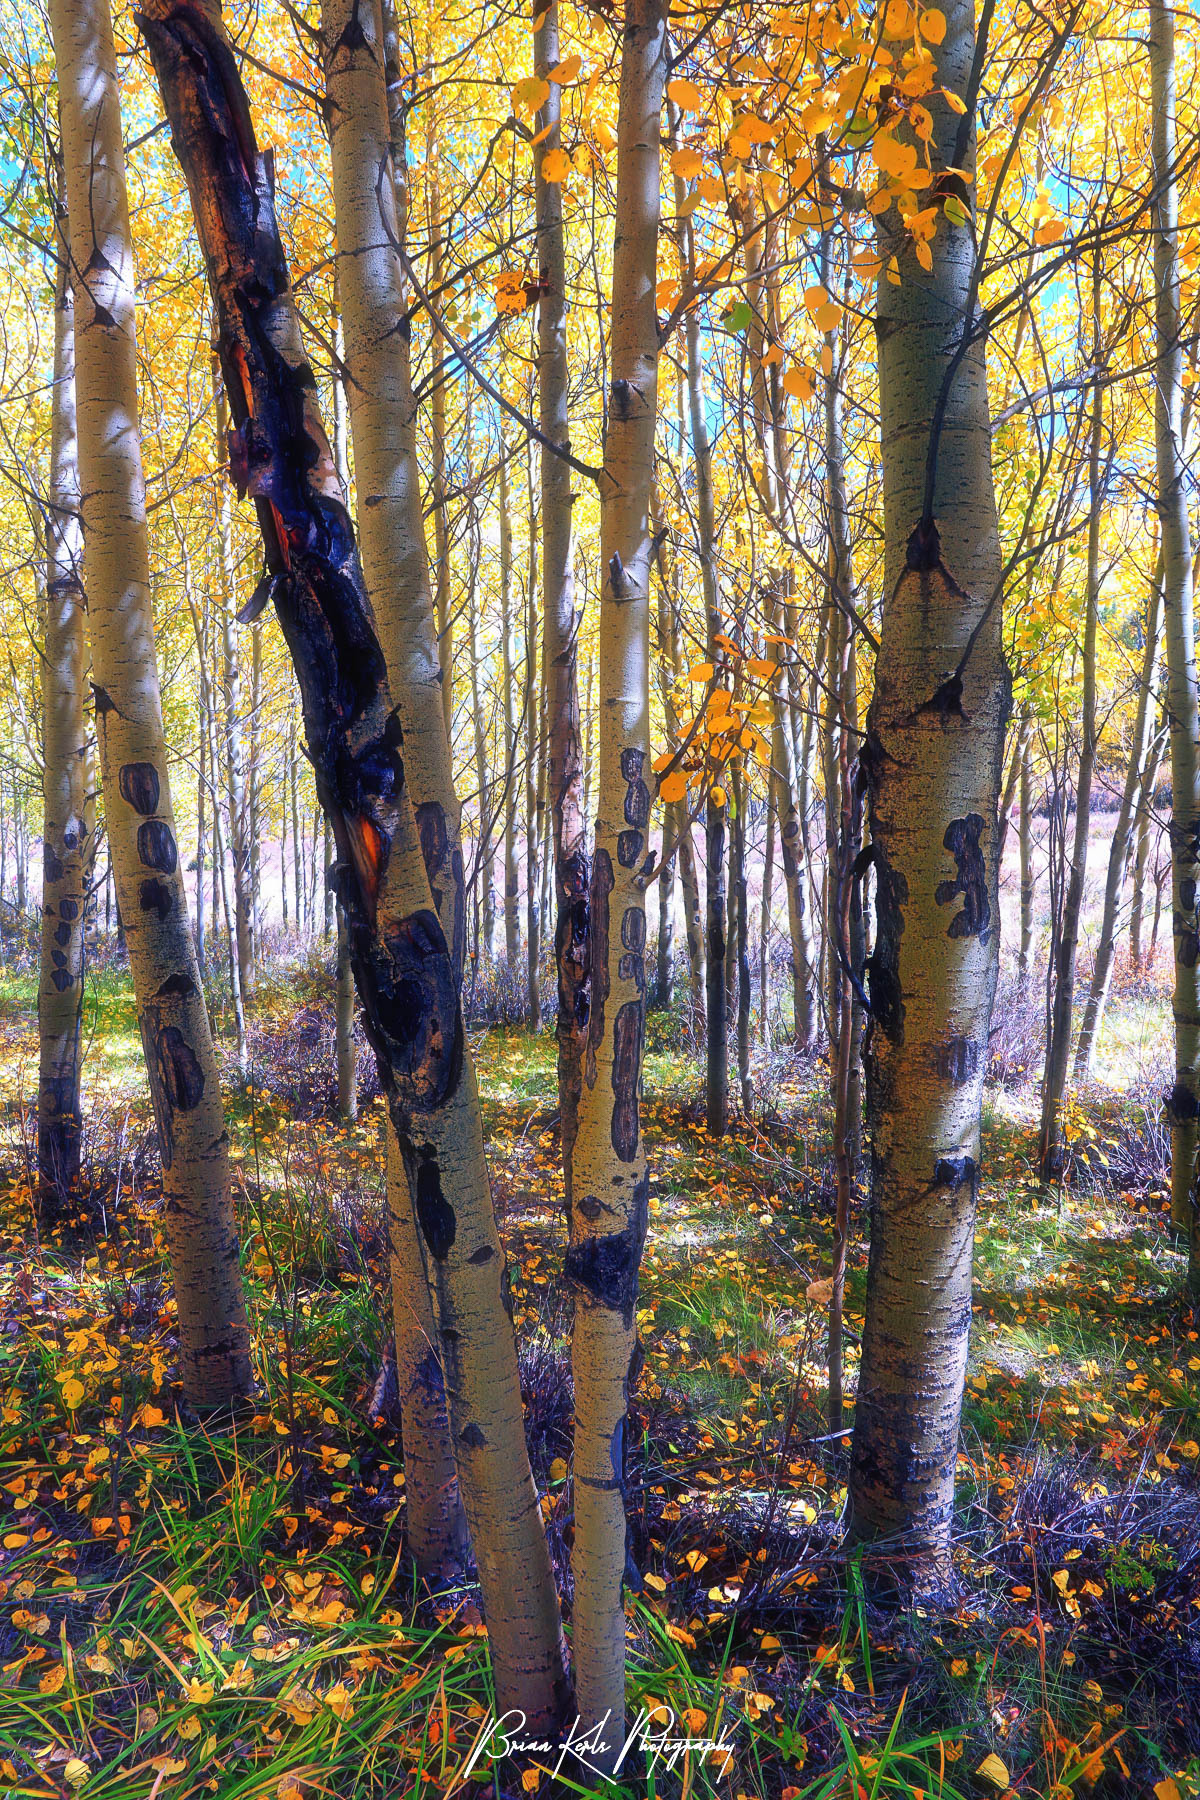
(754, 733)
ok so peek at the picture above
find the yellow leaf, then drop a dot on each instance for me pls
(72, 1392)
(556, 166)
(76, 1772)
(993, 1770)
(933, 26)
(530, 93)
(1167, 1789)
(672, 787)
(52, 1680)
(655, 1582)
(1061, 1579)
(798, 383)
(558, 1469)
(895, 159)
(718, 796)
(828, 318)
(815, 298)
(568, 69)
(959, 1667)
(893, 271)
(1050, 232)
(685, 94)
(199, 1692)
(897, 20)
(700, 672)
(531, 1780)
(924, 255)
(953, 101)
(686, 164)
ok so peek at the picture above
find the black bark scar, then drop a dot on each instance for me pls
(962, 839)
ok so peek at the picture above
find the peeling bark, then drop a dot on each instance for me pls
(406, 962)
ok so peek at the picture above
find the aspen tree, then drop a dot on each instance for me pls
(678, 826)
(1183, 708)
(611, 1182)
(508, 665)
(1025, 836)
(932, 765)
(231, 694)
(559, 673)
(1062, 1009)
(345, 1051)
(405, 966)
(1141, 858)
(198, 1211)
(68, 822)
(534, 914)
(372, 236)
(1122, 837)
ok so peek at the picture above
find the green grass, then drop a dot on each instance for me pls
(262, 1560)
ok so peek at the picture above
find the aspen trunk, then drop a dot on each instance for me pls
(231, 694)
(670, 665)
(715, 821)
(202, 840)
(932, 766)
(765, 923)
(1141, 860)
(1062, 1010)
(198, 1212)
(741, 938)
(791, 855)
(533, 876)
(483, 782)
(67, 831)
(611, 1188)
(1122, 838)
(508, 646)
(1183, 711)
(365, 137)
(406, 970)
(664, 953)
(1025, 837)
(562, 747)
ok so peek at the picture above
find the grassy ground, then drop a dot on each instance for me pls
(186, 1610)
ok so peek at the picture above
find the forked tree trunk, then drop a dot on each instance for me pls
(1122, 838)
(935, 738)
(68, 819)
(405, 967)
(611, 1187)
(563, 770)
(199, 1222)
(1183, 710)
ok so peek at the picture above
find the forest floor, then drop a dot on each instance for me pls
(187, 1609)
